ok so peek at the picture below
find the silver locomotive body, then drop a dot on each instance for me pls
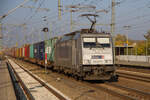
(86, 55)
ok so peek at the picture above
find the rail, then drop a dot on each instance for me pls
(132, 92)
(134, 75)
(58, 94)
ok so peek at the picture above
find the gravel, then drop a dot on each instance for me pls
(76, 90)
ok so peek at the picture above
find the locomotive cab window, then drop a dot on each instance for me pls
(104, 42)
(96, 42)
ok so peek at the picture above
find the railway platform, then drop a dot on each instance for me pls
(133, 63)
(7, 91)
(34, 88)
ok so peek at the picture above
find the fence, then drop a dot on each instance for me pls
(133, 58)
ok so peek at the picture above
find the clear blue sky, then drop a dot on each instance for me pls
(135, 13)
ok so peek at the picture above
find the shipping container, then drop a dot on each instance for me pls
(27, 50)
(31, 51)
(19, 52)
(13, 52)
(49, 48)
(39, 50)
(23, 52)
(36, 50)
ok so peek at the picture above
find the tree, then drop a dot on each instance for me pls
(141, 48)
(147, 37)
(121, 40)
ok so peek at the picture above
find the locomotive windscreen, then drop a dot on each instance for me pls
(96, 42)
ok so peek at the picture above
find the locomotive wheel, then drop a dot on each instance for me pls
(114, 78)
(81, 78)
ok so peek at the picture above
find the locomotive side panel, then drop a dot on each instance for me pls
(63, 54)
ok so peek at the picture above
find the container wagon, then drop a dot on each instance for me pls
(31, 54)
(39, 52)
(49, 49)
(26, 52)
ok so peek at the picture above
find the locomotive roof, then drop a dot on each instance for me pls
(87, 31)
(76, 34)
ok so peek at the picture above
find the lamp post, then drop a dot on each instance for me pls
(46, 51)
(127, 41)
(147, 37)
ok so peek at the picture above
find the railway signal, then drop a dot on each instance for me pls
(46, 62)
(45, 29)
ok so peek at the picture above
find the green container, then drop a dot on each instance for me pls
(31, 51)
(49, 48)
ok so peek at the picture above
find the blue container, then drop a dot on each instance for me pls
(39, 50)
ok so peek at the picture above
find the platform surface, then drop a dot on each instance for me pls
(133, 63)
(38, 91)
(6, 87)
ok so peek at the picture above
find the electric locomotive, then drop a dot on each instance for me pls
(85, 54)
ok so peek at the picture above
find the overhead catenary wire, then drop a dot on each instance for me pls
(36, 10)
(52, 16)
(129, 13)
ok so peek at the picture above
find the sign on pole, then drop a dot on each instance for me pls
(45, 58)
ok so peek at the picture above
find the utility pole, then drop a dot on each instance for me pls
(16, 40)
(146, 47)
(71, 22)
(113, 26)
(1, 36)
(127, 41)
(45, 30)
(51, 27)
(59, 10)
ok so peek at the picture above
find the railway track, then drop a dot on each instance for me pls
(132, 92)
(134, 75)
(58, 94)
(124, 92)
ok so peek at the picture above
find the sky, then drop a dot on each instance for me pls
(25, 24)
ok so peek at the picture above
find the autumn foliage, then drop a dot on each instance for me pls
(139, 46)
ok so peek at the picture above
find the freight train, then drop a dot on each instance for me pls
(84, 54)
